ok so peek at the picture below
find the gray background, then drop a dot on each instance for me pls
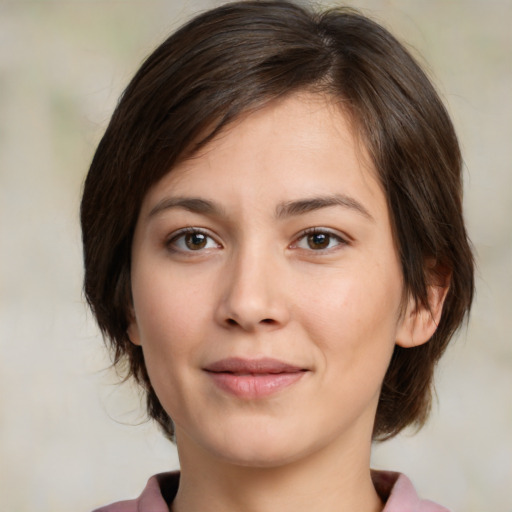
(67, 434)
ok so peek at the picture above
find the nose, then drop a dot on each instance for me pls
(253, 293)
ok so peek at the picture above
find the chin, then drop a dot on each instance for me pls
(258, 459)
(259, 448)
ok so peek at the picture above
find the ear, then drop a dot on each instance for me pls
(419, 322)
(133, 329)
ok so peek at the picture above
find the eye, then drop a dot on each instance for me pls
(191, 239)
(318, 240)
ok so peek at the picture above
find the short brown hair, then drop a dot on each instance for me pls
(239, 57)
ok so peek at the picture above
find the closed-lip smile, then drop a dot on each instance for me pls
(253, 378)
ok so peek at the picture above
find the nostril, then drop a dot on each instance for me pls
(231, 322)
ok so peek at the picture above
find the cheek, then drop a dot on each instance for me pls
(168, 327)
(166, 321)
(168, 300)
(354, 317)
(173, 312)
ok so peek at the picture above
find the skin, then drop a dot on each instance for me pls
(251, 284)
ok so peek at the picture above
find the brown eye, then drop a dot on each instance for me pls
(196, 241)
(318, 241)
(191, 240)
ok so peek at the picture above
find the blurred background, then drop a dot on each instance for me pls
(70, 437)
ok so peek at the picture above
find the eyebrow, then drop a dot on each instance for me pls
(302, 206)
(192, 204)
(283, 210)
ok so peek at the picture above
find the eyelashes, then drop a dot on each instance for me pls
(198, 240)
(191, 240)
(318, 239)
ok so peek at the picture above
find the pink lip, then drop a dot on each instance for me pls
(253, 378)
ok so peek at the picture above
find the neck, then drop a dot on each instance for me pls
(323, 482)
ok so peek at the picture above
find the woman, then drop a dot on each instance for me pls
(274, 245)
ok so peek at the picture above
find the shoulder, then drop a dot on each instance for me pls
(120, 506)
(158, 493)
(399, 495)
(395, 490)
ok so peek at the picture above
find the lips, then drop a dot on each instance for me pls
(253, 378)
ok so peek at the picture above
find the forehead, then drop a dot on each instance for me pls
(302, 144)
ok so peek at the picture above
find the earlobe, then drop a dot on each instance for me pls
(419, 323)
(133, 329)
(133, 334)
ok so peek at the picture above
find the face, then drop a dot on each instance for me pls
(267, 288)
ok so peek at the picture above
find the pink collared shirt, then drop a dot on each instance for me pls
(395, 490)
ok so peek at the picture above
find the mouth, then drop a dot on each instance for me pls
(253, 378)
